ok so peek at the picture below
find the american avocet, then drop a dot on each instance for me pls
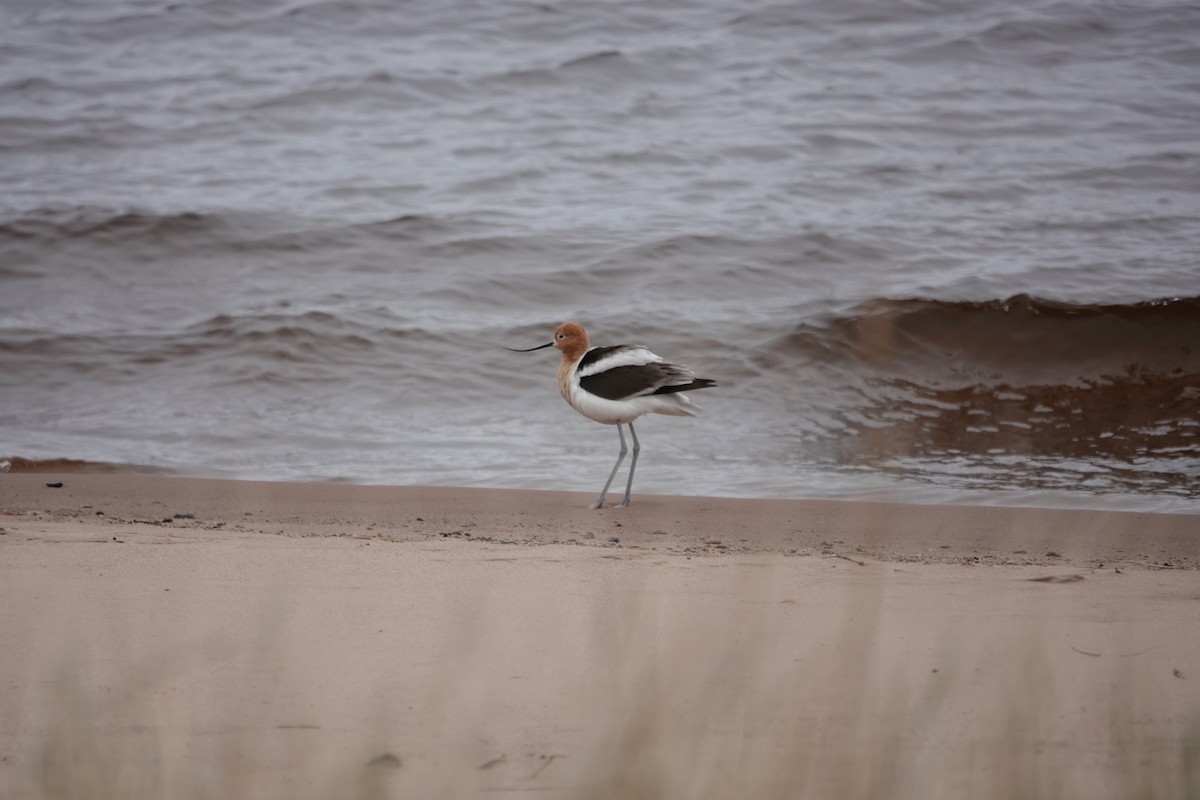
(616, 385)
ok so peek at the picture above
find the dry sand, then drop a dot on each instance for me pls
(177, 637)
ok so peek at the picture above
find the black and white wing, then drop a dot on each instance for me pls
(624, 371)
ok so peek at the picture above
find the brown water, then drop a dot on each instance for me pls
(930, 252)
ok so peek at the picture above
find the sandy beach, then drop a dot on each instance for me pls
(187, 637)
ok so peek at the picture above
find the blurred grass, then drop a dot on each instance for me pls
(740, 722)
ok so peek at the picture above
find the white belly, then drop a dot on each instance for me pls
(612, 412)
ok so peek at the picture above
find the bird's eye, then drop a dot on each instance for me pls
(561, 336)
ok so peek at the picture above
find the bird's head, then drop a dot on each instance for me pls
(570, 338)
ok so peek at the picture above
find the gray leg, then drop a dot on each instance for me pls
(600, 500)
(632, 465)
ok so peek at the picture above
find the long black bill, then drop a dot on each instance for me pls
(531, 349)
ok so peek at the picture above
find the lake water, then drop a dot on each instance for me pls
(931, 251)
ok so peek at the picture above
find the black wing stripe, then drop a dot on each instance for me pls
(699, 383)
(597, 353)
(620, 383)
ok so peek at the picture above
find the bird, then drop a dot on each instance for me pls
(617, 384)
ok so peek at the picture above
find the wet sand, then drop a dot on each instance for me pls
(189, 637)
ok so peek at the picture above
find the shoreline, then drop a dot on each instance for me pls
(890, 532)
(909, 494)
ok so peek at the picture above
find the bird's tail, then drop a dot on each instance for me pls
(677, 405)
